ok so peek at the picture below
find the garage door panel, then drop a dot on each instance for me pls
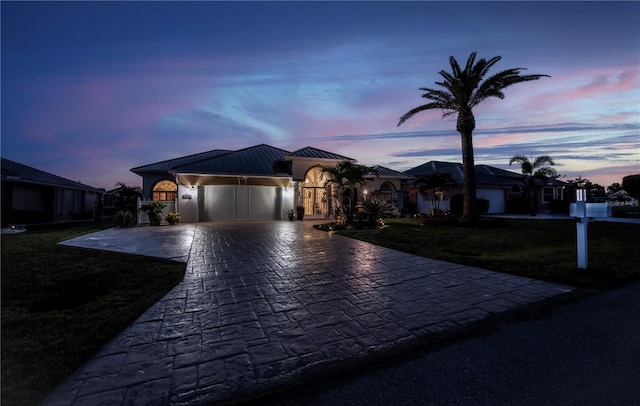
(238, 202)
(495, 197)
(220, 202)
(263, 203)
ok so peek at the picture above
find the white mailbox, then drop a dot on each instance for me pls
(593, 210)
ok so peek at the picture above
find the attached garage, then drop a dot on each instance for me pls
(496, 198)
(238, 202)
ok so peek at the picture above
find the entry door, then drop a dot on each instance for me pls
(315, 201)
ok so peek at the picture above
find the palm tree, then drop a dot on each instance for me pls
(127, 196)
(462, 90)
(345, 175)
(531, 171)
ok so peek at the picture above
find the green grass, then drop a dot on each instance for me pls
(62, 304)
(542, 249)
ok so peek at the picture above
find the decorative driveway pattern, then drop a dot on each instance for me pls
(263, 303)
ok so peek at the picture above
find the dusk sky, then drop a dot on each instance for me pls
(93, 89)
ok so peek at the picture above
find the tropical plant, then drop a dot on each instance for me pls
(127, 196)
(172, 217)
(462, 90)
(345, 176)
(124, 218)
(154, 211)
(436, 183)
(539, 169)
(377, 209)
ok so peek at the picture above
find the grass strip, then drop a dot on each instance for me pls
(61, 304)
(541, 249)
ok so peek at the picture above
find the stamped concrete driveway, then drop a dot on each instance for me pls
(266, 304)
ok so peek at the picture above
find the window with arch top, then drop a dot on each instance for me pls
(165, 190)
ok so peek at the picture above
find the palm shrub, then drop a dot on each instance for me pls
(124, 218)
(377, 209)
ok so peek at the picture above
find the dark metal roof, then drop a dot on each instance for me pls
(485, 175)
(453, 169)
(258, 160)
(16, 172)
(165, 166)
(310, 152)
(389, 173)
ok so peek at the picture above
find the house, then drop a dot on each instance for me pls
(32, 196)
(501, 188)
(255, 183)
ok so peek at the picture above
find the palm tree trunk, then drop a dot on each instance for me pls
(465, 126)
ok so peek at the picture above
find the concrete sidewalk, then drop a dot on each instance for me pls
(266, 304)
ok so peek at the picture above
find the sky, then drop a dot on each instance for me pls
(90, 90)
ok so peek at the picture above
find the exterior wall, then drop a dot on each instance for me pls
(495, 196)
(552, 193)
(188, 204)
(33, 203)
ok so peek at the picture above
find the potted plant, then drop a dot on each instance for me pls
(290, 214)
(172, 218)
(154, 211)
(300, 212)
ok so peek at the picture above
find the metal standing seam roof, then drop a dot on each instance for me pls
(310, 152)
(259, 160)
(17, 172)
(167, 165)
(384, 172)
(485, 175)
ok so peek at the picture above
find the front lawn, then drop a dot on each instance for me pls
(61, 304)
(542, 249)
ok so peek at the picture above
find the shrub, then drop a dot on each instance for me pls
(456, 204)
(172, 217)
(483, 206)
(124, 218)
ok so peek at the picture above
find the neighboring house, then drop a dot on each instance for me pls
(255, 183)
(500, 187)
(32, 196)
(386, 185)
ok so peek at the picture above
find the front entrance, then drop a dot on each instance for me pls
(313, 195)
(314, 202)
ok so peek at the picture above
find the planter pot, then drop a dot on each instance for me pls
(290, 217)
(154, 220)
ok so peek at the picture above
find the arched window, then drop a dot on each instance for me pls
(387, 192)
(165, 190)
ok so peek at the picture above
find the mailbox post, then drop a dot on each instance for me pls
(581, 228)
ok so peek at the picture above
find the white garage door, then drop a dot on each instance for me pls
(495, 197)
(238, 202)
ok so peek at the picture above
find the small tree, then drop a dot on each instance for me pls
(127, 196)
(631, 184)
(436, 183)
(531, 171)
(346, 175)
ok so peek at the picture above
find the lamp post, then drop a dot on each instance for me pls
(581, 228)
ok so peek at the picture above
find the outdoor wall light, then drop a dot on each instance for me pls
(581, 195)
